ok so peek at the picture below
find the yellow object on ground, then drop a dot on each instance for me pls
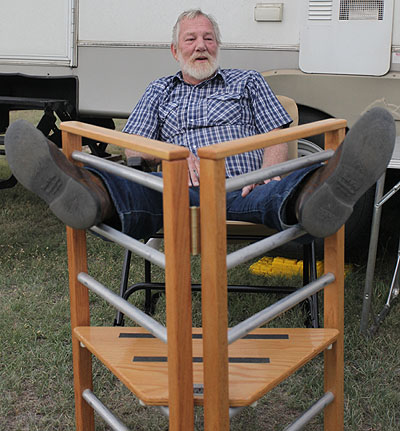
(281, 266)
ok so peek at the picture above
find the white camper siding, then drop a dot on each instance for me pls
(111, 79)
(150, 22)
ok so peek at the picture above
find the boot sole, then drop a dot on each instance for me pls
(367, 150)
(30, 160)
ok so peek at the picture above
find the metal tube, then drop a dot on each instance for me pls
(373, 246)
(393, 293)
(394, 290)
(233, 411)
(164, 410)
(124, 306)
(309, 414)
(103, 411)
(142, 250)
(154, 243)
(279, 307)
(388, 195)
(148, 180)
(253, 250)
(260, 175)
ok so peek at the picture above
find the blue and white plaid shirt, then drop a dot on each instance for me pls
(232, 104)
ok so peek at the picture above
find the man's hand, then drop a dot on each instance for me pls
(150, 160)
(247, 189)
(272, 156)
(193, 170)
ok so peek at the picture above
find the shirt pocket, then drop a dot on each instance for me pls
(224, 109)
(168, 115)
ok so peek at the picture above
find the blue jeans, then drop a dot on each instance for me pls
(140, 209)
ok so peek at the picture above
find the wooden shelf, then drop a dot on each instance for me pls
(256, 364)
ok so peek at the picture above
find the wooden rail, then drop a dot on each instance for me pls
(159, 149)
(229, 148)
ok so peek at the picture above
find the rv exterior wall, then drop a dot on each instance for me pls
(340, 96)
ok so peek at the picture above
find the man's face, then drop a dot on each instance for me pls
(197, 50)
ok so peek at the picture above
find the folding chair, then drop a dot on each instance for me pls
(370, 322)
(177, 366)
(236, 231)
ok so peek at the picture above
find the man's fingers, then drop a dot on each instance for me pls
(193, 178)
(194, 170)
(247, 189)
(278, 178)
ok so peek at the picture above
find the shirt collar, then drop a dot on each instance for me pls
(219, 74)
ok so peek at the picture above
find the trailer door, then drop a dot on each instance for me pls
(346, 36)
(40, 31)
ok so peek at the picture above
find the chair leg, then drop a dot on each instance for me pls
(150, 300)
(393, 293)
(309, 275)
(119, 319)
(148, 306)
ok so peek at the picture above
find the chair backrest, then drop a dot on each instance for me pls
(291, 108)
(236, 228)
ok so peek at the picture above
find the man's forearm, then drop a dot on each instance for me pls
(275, 154)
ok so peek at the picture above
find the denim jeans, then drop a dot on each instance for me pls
(140, 209)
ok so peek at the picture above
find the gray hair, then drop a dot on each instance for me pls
(191, 14)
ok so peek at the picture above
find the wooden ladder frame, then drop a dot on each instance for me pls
(178, 284)
(214, 277)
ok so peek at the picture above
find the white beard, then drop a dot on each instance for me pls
(199, 71)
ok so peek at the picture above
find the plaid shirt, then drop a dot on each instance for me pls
(232, 104)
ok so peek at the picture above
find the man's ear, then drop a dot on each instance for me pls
(174, 51)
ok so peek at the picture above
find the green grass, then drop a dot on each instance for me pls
(35, 364)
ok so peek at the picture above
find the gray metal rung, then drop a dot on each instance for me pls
(146, 252)
(260, 175)
(124, 306)
(253, 250)
(143, 178)
(103, 411)
(164, 410)
(233, 411)
(279, 307)
(309, 414)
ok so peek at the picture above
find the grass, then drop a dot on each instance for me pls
(36, 366)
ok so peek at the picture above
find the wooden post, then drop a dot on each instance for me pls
(178, 295)
(214, 294)
(79, 306)
(334, 315)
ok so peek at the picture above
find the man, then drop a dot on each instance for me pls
(233, 104)
(199, 106)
